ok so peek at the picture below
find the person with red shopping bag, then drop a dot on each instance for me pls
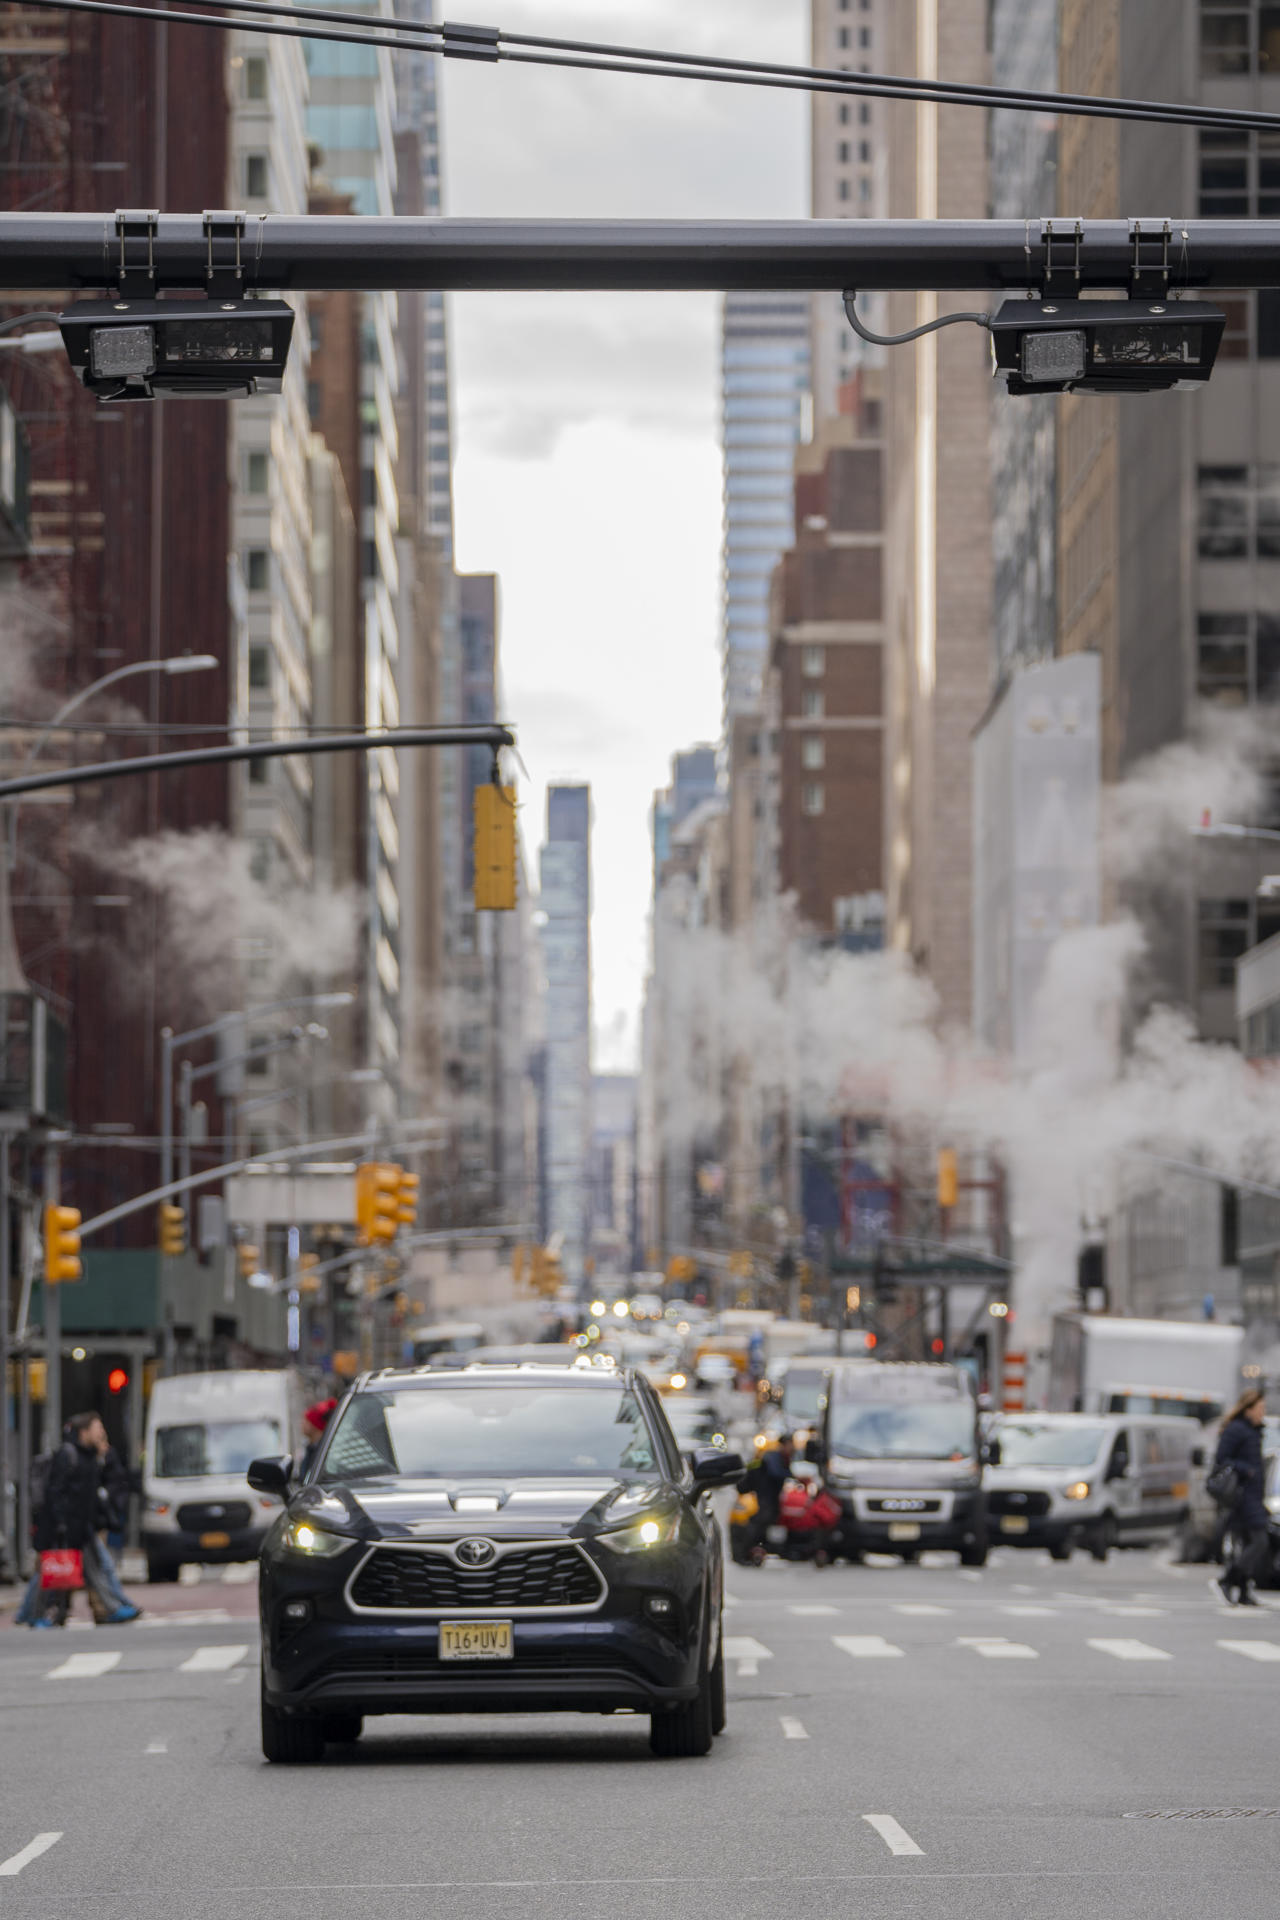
(66, 1531)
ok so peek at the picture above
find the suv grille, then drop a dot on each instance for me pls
(550, 1576)
(216, 1516)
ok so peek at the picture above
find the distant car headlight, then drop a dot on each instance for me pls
(655, 1530)
(678, 1380)
(1080, 1491)
(316, 1542)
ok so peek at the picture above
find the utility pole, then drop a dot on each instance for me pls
(52, 1319)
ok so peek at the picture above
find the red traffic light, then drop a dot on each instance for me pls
(117, 1380)
(939, 1346)
(869, 1340)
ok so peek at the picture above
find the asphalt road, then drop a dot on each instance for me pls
(1032, 1741)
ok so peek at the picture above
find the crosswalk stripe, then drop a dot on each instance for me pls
(867, 1646)
(84, 1666)
(1029, 1613)
(920, 1609)
(1004, 1650)
(814, 1611)
(792, 1729)
(213, 1659)
(895, 1837)
(1129, 1650)
(239, 1573)
(747, 1652)
(1252, 1649)
(32, 1851)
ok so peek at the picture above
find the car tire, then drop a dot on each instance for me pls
(162, 1573)
(975, 1554)
(342, 1729)
(686, 1732)
(291, 1741)
(1104, 1537)
(719, 1709)
(1062, 1549)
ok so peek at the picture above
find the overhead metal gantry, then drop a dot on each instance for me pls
(230, 252)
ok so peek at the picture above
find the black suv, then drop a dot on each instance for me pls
(490, 1539)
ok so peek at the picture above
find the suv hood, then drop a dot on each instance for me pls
(395, 1509)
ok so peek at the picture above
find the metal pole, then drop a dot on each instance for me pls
(52, 1321)
(184, 1131)
(23, 1541)
(296, 252)
(166, 1105)
(7, 1515)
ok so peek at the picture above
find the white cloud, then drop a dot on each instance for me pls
(588, 471)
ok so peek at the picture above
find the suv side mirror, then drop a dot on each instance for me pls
(813, 1451)
(1197, 1456)
(271, 1475)
(991, 1453)
(713, 1467)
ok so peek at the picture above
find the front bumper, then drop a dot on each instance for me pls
(963, 1523)
(1041, 1530)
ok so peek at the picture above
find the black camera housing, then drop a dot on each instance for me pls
(141, 349)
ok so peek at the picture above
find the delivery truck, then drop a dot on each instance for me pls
(1108, 1363)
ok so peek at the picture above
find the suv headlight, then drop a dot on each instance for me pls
(302, 1537)
(654, 1530)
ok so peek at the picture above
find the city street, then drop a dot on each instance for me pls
(1030, 1741)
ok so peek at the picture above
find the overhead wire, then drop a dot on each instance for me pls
(492, 44)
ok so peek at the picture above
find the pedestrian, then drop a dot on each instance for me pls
(1240, 1447)
(70, 1517)
(315, 1421)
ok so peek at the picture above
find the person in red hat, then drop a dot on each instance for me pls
(315, 1420)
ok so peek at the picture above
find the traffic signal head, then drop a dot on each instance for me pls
(407, 1199)
(309, 1280)
(247, 1257)
(61, 1245)
(172, 1228)
(377, 1201)
(948, 1177)
(495, 848)
(117, 1380)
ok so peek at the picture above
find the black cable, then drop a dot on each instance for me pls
(901, 339)
(599, 58)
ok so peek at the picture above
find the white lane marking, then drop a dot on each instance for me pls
(1137, 1613)
(813, 1610)
(867, 1646)
(1027, 1613)
(747, 1652)
(1005, 1650)
(32, 1851)
(156, 1746)
(1252, 1649)
(968, 1573)
(918, 1609)
(213, 1659)
(239, 1573)
(1129, 1650)
(896, 1838)
(792, 1729)
(193, 1617)
(84, 1666)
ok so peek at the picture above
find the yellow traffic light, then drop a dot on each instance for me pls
(377, 1201)
(172, 1223)
(309, 1280)
(948, 1177)
(495, 848)
(247, 1256)
(407, 1199)
(61, 1245)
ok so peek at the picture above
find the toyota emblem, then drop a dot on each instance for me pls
(475, 1553)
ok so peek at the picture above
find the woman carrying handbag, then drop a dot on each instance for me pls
(1240, 1453)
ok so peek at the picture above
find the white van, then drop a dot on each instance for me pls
(1065, 1480)
(203, 1429)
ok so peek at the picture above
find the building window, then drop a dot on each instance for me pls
(259, 677)
(255, 176)
(864, 152)
(842, 190)
(1239, 512)
(842, 38)
(1225, 934)
(1238, 658)
(813, 662)
(813, 753)
(1239, 36)
(864, 115)
(844, 116)
(812, 797)
(257, 564)
(1239, 175)
(842, 153)
(811, 705)
(864, 36)
(864, 188)
(258, 778)
(255, 78)
(255, 472)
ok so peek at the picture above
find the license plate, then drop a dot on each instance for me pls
(476, 1640)
(904, 1529)
(215, 1539)
(775, 1535)
(1014, 1523)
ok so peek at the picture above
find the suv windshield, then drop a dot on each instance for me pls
(1027, 1445)
(936, 1430)
(491, 1430)
(215, 1446)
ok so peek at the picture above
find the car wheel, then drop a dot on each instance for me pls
(1061, 1549)
(342, 1729)
(1104, 1537)
(295, 1742)
(162, 1573)
(975, 1554)
(719, 1711)
(685, 1732)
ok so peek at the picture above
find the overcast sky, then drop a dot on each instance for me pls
(587, 437)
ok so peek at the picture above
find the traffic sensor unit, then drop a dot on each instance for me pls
(142, 349)
(1104, 346)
